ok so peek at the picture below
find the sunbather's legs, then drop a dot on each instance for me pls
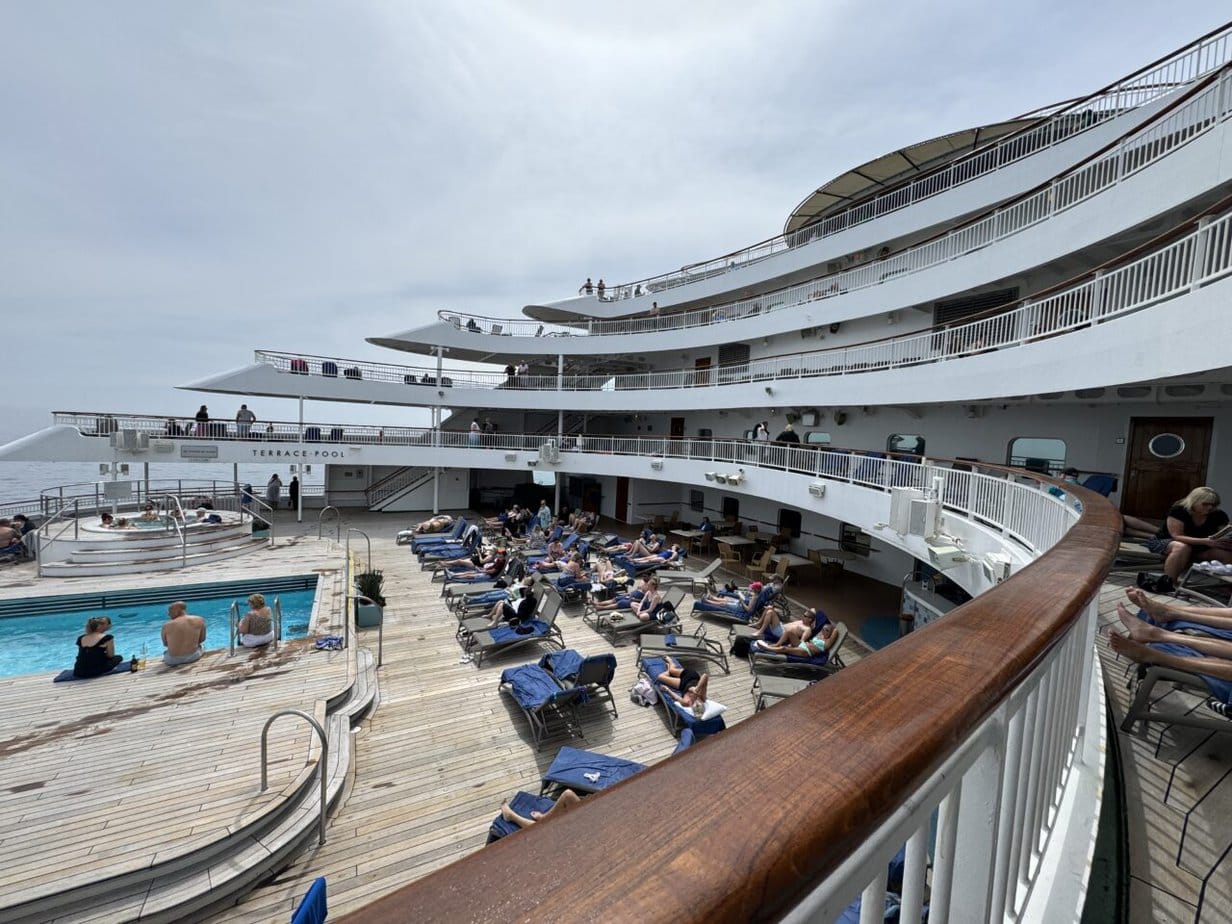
(1217, 617)
(1146, 633)
(1139, 529)
(1217, 667)
(702, 686)
(566, 801)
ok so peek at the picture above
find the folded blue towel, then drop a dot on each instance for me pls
(124, 667)
(530, 685)
(563, 664)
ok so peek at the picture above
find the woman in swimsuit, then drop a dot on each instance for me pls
(96, 649)
(685, 685)
(257, 626)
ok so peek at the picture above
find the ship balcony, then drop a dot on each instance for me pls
(1107, 318)
(1173, 160)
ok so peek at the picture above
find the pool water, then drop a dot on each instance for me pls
(33, 644)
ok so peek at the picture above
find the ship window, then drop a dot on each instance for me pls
(789, 523)
(731, 508)
(697, 501)
(853, 539)
(1166, 446)
(817, 438)
(1037, 454)
(910, 443)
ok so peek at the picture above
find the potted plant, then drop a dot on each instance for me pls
(369, 586)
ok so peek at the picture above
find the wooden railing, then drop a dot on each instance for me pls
(747, 824)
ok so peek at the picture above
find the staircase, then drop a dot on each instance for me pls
(395, 485)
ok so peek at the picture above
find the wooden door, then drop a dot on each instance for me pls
(701, 374)
(621, 510)
(677, 428)
(1155, 478)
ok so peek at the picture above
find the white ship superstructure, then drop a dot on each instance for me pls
(940, 325)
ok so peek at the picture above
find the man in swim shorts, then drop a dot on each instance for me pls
(183, 634)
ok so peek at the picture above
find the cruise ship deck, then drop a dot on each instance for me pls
(431, 764)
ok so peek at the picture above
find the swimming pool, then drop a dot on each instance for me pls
(47, 642)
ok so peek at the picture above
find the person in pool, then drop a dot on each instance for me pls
(96, 649)
(149, 514)
(256, 629)
(183, 634)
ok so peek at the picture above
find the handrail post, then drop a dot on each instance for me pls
(321, 522)
(235, 608)
(352, 529)
(322, 766)
(380, 626)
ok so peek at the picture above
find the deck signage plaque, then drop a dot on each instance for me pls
(193, 451)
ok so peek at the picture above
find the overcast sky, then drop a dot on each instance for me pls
(181, 183)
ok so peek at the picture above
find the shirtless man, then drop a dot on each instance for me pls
(183, 634)
(8, 535)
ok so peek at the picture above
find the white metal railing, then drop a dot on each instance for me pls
(1197, 259)
(1156, 80)
(998, 799)
(1144, 146)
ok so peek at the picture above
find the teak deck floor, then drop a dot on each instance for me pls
(96, 772)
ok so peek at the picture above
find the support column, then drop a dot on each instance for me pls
(299, 500)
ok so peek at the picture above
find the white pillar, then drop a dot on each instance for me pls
(299, 500)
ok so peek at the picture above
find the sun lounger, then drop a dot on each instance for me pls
(523, 803)
(826, 663)
(585, 771)
(695, 646)
(678, 718)
(423, 540)
(613, 624)
(593, 674)
(543, 700)
(699, 582)
(504, 638)
(1142, 708)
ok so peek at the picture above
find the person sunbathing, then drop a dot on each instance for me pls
(773, 630)
(565, 801)
(685, 685)
(665, 557)
(475, 560)
(805, 641)
(435, 524)
(490, 566)
(518, 616)
(1212, 658)
(1215, 617)
(638, 548)
(573, 570)
(645, 608)
(626, 600)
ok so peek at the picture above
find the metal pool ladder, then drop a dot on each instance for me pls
(322, 765)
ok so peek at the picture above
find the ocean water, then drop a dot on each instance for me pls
(25, 481)
(32, 644)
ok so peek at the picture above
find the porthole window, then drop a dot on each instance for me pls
(1166, 446)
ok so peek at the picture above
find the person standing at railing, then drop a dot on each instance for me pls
(588, 287)
(761, 433)
(273, 491)
(788, 435)
(244, 419)
(293, 493)
(203, 420)
(476, 433)
(246, 497)
(602, 289)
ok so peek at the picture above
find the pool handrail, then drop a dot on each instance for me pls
(322, 764)
(321, 522)
(234, 619)
(43, 530)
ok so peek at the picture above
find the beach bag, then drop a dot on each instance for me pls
(643, 692)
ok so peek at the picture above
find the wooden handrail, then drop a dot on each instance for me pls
(743, 826)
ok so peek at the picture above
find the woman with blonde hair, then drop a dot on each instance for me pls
(257, 627)
(1189, 534)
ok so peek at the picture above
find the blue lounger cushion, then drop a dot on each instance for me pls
(504, 633)
(523, 803)
(124, 667)
(687, 740)
(586, 771)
